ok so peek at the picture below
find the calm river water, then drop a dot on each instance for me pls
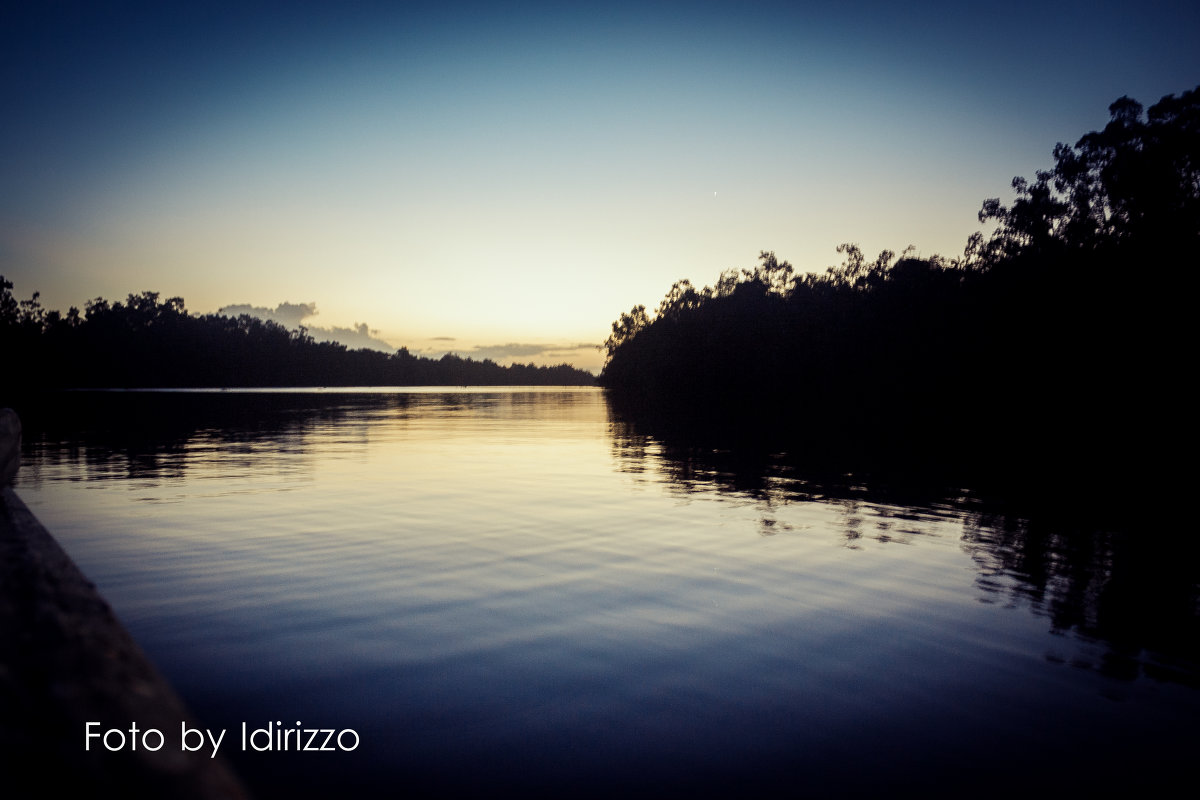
(514, 590)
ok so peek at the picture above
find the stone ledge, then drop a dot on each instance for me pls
(10, 445)
(65, 660)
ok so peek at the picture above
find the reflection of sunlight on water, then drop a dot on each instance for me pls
(513, 573)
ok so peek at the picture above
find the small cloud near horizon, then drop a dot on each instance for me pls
(292, 316)
(512, 351)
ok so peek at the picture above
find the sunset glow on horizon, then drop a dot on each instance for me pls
(504, 182)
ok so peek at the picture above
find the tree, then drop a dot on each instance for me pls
(1137, 181)
(625, 328)
(681, 299)
(8, 304)
(772, 273)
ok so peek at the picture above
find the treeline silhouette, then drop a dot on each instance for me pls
(148, 342)
(1059, 340)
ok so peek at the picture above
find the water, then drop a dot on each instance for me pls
(514, 590)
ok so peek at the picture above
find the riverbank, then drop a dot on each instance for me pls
(67, 661)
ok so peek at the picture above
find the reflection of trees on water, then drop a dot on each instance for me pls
(157, 436)
(771, 480)
(1134, 588)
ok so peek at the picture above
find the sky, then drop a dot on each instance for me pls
(503, 179)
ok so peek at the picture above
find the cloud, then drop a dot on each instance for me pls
(289, 315)
(354, 338)
(513, 351)
(505, 351)
(292, 315)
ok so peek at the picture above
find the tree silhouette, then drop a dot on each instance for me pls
(1137, 181)
(146, 341)
(1053, 341)
(626, 327)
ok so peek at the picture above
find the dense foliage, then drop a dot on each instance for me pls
(1060, 333)
(148, 342)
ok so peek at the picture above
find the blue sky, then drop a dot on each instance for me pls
(504, 179)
